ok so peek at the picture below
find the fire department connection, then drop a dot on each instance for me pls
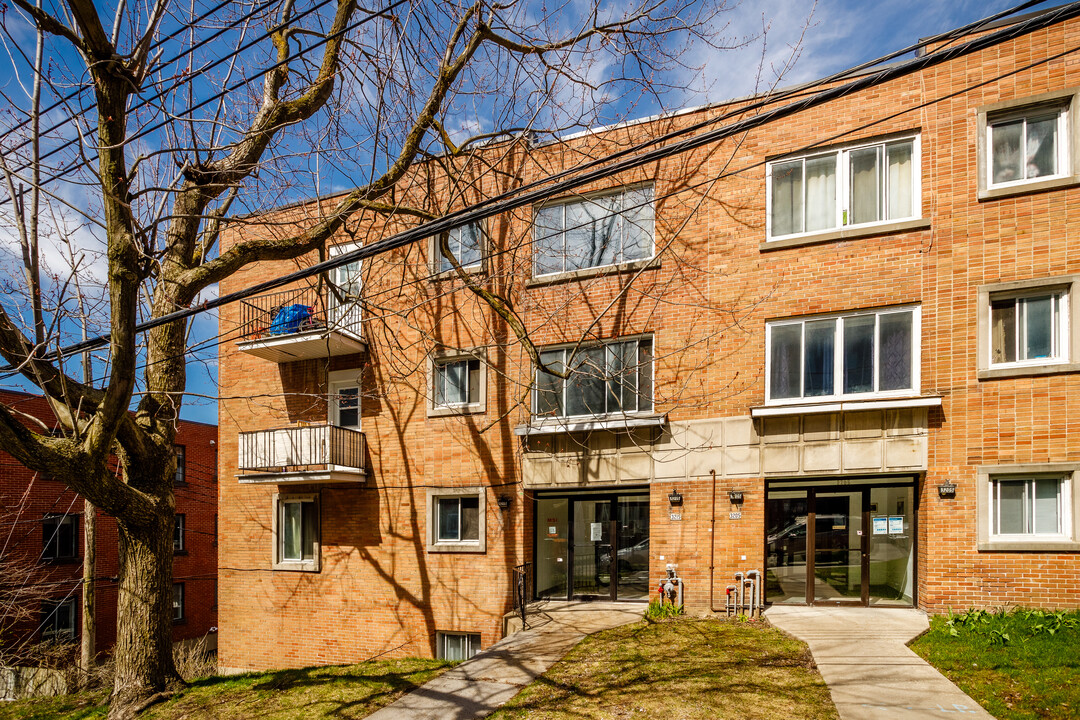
(743, 598)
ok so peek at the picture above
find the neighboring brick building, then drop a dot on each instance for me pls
(849, 340)
(42, 522)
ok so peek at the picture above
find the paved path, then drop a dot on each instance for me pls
(863, 656)
(475, 688)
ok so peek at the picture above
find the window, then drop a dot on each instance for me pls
(843, 356)
(615, 377)
(181, 465)
(1026, 328)
(346, 286)
(861, 185)
(344, 400)
(296, 532)
(1027, 144)
(457, 382)
(465, 244)
(178, 602)
(1027, 147)
(457, 520)
(178, 533)
(594, 232)
(60, 537)
(58, 621)
(458, 646)
(1028, 507)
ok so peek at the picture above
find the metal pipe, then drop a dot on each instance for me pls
(755, 591)
(739, 582)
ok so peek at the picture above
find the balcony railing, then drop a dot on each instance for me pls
(300, 324)
(296, 451)
(296, 311)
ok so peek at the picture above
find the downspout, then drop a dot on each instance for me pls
(712, 546)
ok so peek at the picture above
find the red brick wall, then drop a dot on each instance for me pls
(706, 304)
(26, 497)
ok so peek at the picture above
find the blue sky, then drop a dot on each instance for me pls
(802, 39)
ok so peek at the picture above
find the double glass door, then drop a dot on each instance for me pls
(593, 547)
(841, 544)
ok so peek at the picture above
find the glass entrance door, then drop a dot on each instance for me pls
(592, 546)
(841, 545)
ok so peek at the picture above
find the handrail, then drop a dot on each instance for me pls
(522, 591)
(301, 446)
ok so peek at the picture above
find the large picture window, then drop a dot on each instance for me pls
(615, 377)
(849, 355)
(861, 185)
(594, 231)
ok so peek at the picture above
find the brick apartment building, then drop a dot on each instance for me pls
(41, 522)
(842, 348)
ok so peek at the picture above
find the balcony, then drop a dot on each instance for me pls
(304, 454)
(300, 324)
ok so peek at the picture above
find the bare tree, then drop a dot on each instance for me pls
(177, 119)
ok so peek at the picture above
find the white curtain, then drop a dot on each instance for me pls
(821, 193)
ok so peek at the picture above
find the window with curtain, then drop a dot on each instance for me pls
(1027, 146)
(297, 543)
(614, 377)
(457, 518)
(860, 185)
(594, 231)
(1029, 328)
(845, 355)
(465, 244)
(457, 382)
(458, 646)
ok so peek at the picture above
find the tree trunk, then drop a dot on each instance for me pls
(144, 661)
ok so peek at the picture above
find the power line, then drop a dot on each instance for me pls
(516, 199)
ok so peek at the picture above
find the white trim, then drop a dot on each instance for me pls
(847, 406)
(1025, 114)
(568, 425)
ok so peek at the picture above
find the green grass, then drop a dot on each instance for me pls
(341, 691)
(688, 668)
(1019, 665)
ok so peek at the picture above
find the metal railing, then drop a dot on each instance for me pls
(294, 311)
(522, 591)
(298, 447)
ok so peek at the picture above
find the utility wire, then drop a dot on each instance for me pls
(516, 199)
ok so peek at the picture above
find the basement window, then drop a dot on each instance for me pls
(457, 645)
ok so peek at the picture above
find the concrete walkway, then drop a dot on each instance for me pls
(477, 687)
(871, 673)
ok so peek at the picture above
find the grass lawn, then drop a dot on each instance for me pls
(686, 669)
(1031, 674)
(343, 691)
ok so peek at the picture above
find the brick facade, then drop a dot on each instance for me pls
(28, 497)
(705, 300)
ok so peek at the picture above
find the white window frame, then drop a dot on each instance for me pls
(1065, 104)
(1061, 117)
(838, 365)
(470, 639)
(182, 617)
(49, 609)
(1063, 501)
(1060, 328)
(843, 188)
(1067, 540)
(180, 524)
(336, 382)
(347, 318)
(591, 197)
(437, 268)
(60, 519)
(535, 394)
(435, 409)
(277, 538)
(434, 544)
(1067, 356)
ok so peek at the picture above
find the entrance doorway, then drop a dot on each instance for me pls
(849, 541)
(593, 546)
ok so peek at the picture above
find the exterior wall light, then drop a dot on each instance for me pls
(947, 490)
(675, 498)
(735, 496)
(504, 502)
